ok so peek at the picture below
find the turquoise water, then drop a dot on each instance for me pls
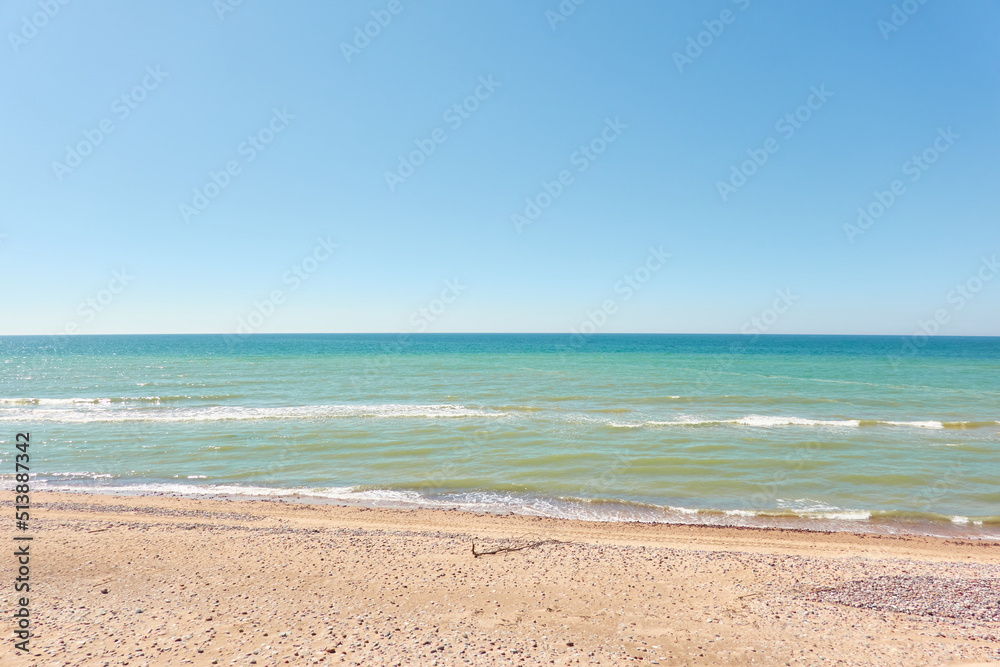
(828, 432)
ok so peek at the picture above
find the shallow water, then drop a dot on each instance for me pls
(825, 432)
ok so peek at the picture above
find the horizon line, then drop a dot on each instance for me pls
(497, 333)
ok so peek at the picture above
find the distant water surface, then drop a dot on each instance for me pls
(823, 432)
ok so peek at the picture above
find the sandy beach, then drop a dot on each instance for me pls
(171, 581)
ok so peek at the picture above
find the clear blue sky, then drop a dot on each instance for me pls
(678, 128)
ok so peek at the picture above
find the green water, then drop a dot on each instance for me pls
(845, 433)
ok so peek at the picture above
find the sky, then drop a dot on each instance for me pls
(531, 166)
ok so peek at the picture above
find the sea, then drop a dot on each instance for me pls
(832, 433)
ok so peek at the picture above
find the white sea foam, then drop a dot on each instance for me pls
(918, 424)
(774, 421)
(151, 409)
(59, 401)
(808, 508)
(240, 413)
(847, 515)
(682, 422)
(789, 514)
(106, 401)
(79, 475)
(769, 421)
(740, 513)
(759, 421)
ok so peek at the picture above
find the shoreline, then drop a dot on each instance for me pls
(597, 510)
(675, 535)
(164, 580)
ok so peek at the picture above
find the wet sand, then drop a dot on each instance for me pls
(172, 581)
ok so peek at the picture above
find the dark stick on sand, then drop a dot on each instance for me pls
(498, 550)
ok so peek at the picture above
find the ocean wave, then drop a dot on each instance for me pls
(766, 421)
(916, 424)
(969, 424)
(801, 514)
(28, 401)
(237, 413)
(773, 421)
(79, 475)
(152, 409)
